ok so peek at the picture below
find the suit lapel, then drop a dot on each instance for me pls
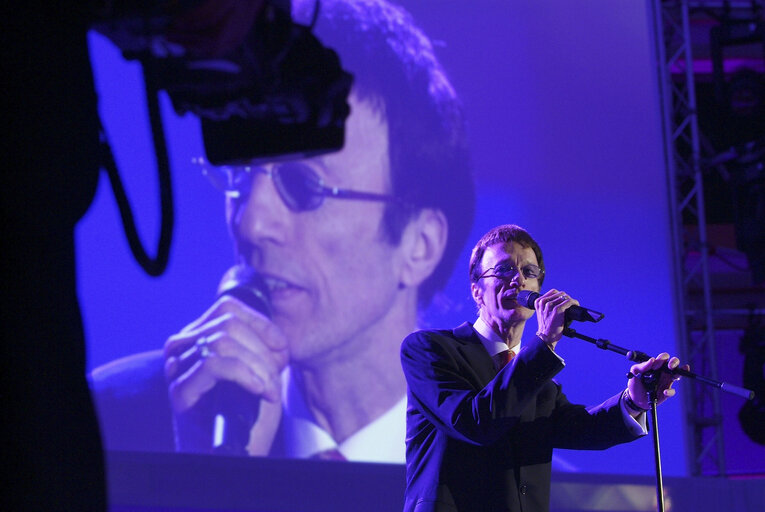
(481, 363)
(474, 353)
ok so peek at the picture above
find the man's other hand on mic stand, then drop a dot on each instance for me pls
(637, 396)
(551, 319)
(649, 382)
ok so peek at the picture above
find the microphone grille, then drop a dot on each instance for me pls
(526, 298)
(243, 283)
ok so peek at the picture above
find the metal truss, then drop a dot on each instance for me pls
(693, 291)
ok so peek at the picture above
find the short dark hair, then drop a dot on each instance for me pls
(503, 234)
(395, 68)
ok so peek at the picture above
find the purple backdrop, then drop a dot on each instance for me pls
(565, 133)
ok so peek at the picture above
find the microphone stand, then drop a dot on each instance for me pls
(650, 381)
(638, 357)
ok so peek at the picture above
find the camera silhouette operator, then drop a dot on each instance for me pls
(56, 146)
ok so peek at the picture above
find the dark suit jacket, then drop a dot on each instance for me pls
(481, 440)
(132, 403)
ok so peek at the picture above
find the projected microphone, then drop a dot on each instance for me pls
(526, 299)
(236, 410)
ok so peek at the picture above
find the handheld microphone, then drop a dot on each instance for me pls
(526, 299)
(236, 409)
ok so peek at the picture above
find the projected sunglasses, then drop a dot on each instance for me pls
(298, 185)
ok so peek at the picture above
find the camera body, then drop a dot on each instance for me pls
(280, 93)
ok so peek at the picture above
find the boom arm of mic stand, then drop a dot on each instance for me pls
(638, 357)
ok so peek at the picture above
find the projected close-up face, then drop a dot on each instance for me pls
(351, 244)
(332, 274)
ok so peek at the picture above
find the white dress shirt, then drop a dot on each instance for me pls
(382, 440)
(494, 344)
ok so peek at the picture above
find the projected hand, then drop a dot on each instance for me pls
(230, 342)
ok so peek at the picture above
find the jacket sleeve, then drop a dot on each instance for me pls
(589, 428)
(443, 386)
(131, 399)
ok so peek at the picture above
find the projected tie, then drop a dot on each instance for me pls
(329, 455)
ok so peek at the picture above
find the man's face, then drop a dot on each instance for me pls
(495, 296)
(331, 274)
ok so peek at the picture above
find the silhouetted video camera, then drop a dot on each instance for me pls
(263, 87)
(280, 92)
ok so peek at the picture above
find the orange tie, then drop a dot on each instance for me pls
(503, 358)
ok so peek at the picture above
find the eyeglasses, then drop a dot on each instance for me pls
(298, 185)
(506, 271)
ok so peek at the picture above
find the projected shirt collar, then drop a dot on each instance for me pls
(380, 441)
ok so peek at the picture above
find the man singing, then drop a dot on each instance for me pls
(484, 414)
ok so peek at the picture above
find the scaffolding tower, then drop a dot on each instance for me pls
(686, 151)
(705, 450)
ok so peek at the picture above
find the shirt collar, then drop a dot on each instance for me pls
(493, 343)
(382, 440)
